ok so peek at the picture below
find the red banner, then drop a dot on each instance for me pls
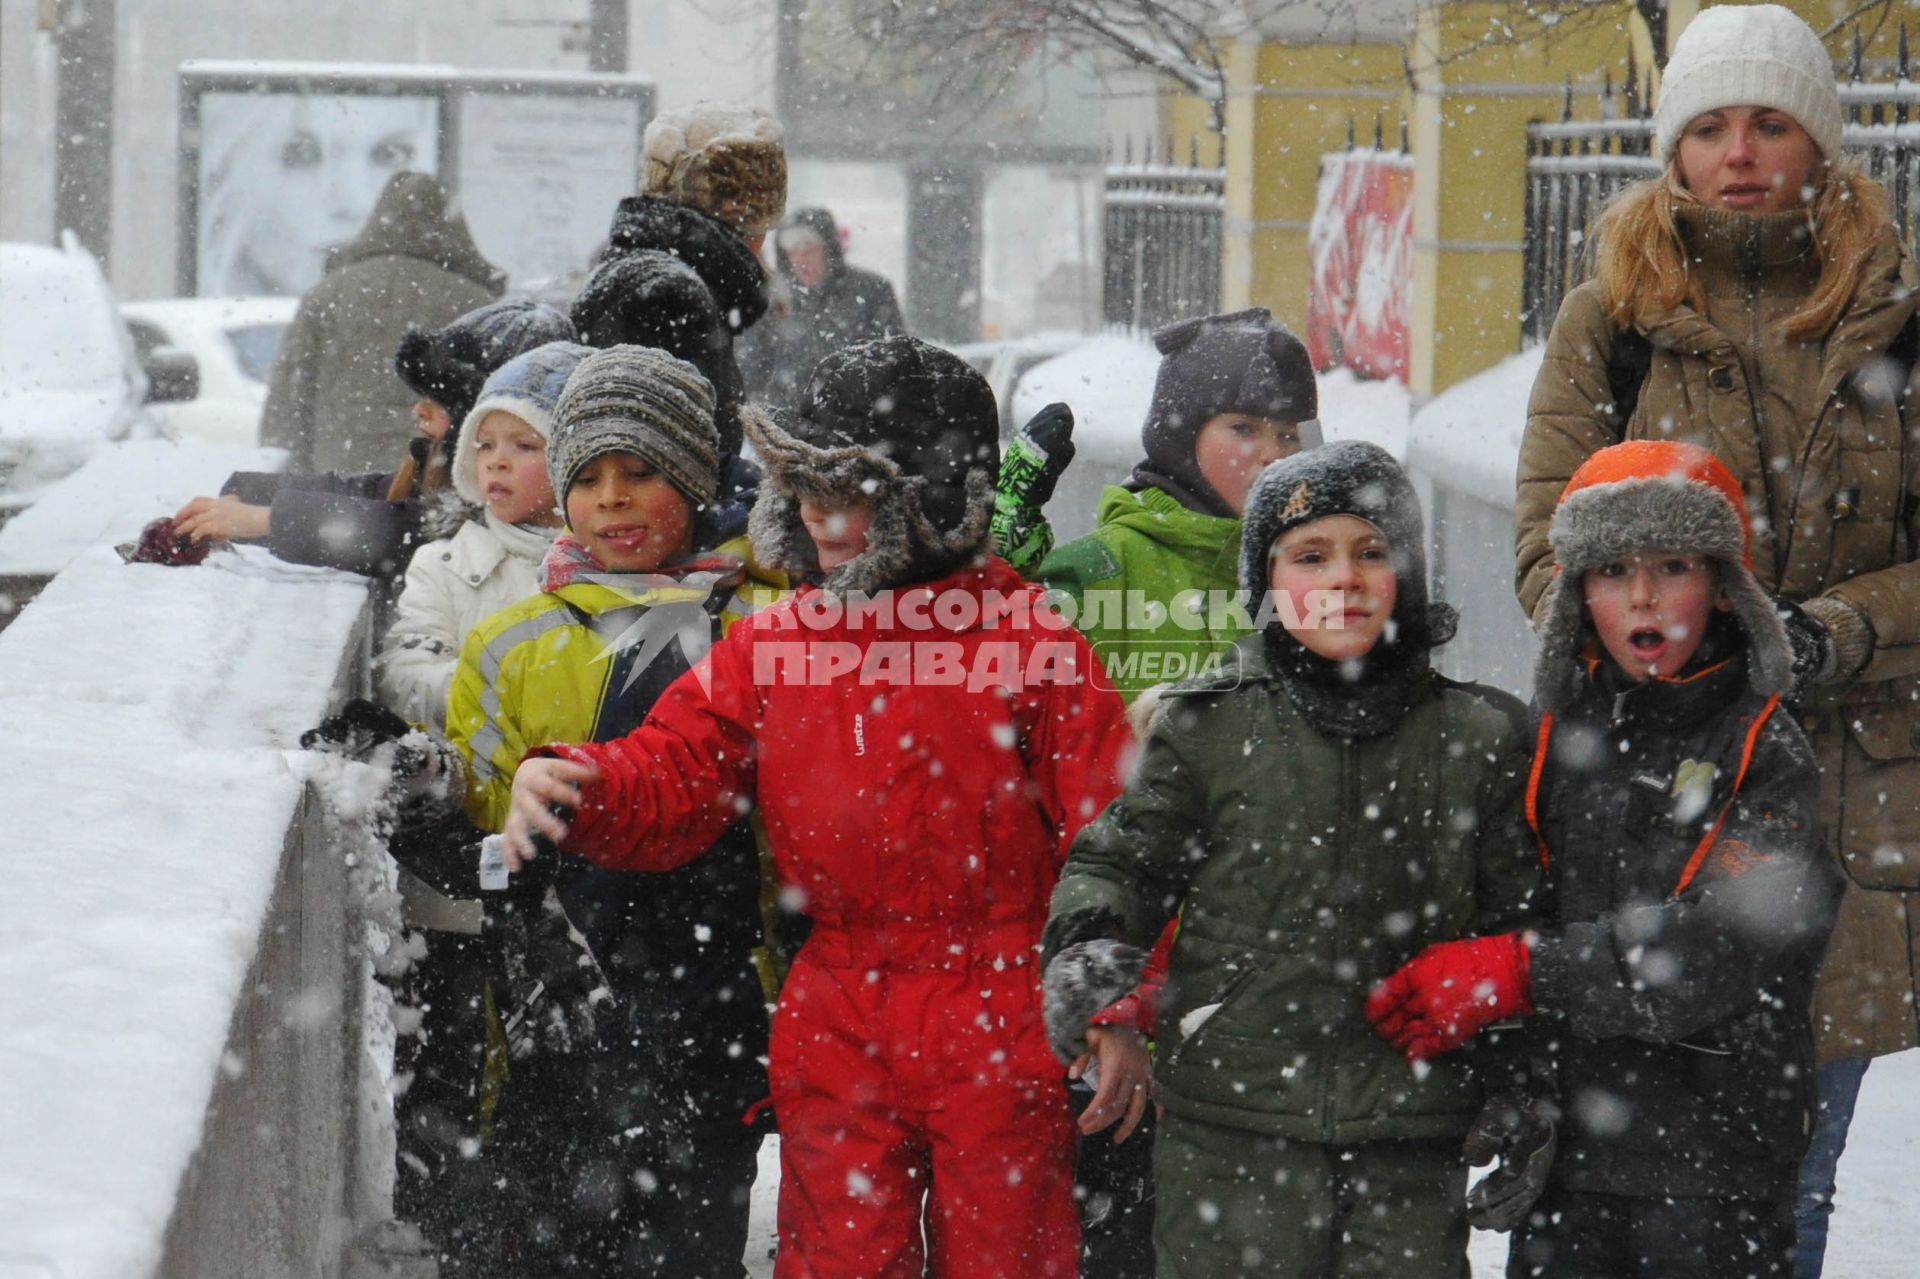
(1361, 243)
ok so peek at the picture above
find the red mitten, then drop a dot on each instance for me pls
(1450, 991)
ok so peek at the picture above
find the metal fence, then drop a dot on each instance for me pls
(1162, 238)
(1575, 166)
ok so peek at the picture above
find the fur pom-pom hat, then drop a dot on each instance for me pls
(896, 425)
(1749, 55)
(450, 365)
(1241, 362)
(527, 386)
(721, 157)
(1648, 495)
(1355, 478)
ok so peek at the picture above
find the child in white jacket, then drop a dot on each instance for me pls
(494, 559)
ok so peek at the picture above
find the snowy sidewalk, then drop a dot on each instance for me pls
(1877, 1188)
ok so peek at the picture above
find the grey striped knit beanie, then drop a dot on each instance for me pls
(634, 399)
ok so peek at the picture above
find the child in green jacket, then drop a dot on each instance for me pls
(1153, 582)
(1317, 810)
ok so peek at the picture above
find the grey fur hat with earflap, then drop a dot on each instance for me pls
(1647, 495)
(897, 425)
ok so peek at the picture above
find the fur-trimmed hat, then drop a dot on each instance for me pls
(721, 157)
(633, 399)
(527, 386)
(450, 365)
(1749, 55)
(1647, 495)
(1349, 477)
(897, 425)
(1242, 362)
(652, 298)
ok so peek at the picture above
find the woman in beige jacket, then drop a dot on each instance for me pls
(1756, 299)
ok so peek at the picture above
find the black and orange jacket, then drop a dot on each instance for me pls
(1679, 823)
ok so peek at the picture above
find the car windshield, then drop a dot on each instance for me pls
(254, 346)
(56, 328)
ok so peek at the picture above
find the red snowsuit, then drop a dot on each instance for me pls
(925, 817)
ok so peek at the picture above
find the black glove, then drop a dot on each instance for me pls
(1034, 461)
(356, 730)
(1080, 981)
(557, 998)
(1521, 1131)
(1814, 652)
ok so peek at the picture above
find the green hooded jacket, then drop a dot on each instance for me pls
(1306, 868)
(1152, 585)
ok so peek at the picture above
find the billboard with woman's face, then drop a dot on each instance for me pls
(286, 178)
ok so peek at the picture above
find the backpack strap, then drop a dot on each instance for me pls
(1628, 361)
(1540, 745)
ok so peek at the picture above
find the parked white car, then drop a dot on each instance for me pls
(70, 378)
(232, 342)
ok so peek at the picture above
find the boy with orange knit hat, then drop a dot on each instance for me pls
(1675, 807)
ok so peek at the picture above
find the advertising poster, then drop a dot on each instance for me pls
(540, 176)
(284, 178)
(1361, 243)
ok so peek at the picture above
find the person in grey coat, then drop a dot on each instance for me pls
(334, 401)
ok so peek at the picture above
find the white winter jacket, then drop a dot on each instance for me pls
(453, 585)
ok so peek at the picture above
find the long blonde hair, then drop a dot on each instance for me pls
(1640, 255)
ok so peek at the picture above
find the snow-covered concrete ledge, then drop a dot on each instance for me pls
(1463, 447)
(179, 988)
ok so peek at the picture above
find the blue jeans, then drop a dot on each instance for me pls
(1837, 1085)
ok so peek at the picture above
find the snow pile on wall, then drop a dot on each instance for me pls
(1109, 382)
(145, 713)
(1468, 436)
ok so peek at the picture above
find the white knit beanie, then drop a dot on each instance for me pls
(1749, 55)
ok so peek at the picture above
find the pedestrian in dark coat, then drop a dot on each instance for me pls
(823, 304)
(1676, 806)
(333, 401)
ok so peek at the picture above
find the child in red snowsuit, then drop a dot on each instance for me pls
(922, 740)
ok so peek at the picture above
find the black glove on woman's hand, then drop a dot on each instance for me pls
(1814, 653)
(1519, 1130)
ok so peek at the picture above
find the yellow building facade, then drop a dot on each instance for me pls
(1464, 85)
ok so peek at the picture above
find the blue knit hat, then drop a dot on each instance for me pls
(527, 386)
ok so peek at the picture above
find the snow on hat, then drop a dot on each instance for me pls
(1241, 362)
(634, 399)
(722, 157)
(1355, 478)
(527, 386)
(1749, 55)
(1647, 495)
(652, 298)
(449, 365)
(900, 426)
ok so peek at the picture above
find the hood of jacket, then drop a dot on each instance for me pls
(413, 218)
(713, 249)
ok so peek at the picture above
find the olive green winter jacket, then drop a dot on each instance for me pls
(1152, 586)
(1306, 869)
